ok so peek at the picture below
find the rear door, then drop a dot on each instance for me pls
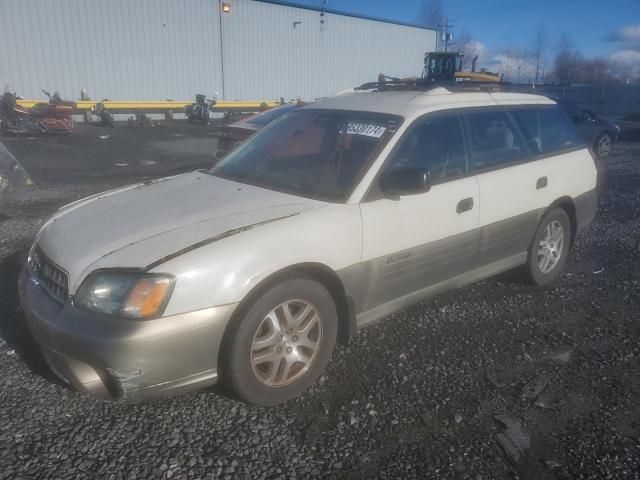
(513, 186)
(415, 241)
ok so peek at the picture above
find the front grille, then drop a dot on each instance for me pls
(48, 275)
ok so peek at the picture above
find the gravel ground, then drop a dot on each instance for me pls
(496, 380)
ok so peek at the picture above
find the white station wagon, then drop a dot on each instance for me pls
(329, 219)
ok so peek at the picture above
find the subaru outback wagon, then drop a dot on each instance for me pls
(327, 220)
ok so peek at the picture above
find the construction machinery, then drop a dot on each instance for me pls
(447, 67)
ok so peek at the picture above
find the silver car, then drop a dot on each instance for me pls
(329, 219)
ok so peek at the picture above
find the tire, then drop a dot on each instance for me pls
(603, 145)
(258, 358)
(541, 273)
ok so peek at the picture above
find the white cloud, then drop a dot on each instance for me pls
(628, 34)
(625, 56)
(512, 64)
(471, 49)
(625, 63)
(479, 48)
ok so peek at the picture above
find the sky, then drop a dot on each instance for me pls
(607, 28)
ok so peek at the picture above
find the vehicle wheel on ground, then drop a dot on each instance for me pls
(550, 247)
(282, 342)
(604, 145)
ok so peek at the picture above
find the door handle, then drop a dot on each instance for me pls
(464, 205)
(541, 183)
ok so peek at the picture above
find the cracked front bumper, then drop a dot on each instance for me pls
(121, 359)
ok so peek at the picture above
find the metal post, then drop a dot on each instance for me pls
(221, 48)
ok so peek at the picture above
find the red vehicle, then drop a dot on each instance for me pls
(52, 117)
(230, 136)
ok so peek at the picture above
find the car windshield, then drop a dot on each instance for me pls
(271, 115)
(312, 153)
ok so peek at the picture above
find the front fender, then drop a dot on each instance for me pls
(225, 271)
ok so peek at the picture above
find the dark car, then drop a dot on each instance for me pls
(598, 133)
(629, 126)
(230, 136)
(12, 176)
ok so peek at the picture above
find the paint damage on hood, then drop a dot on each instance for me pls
(141, 225)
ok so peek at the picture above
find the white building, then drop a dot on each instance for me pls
(171, 49)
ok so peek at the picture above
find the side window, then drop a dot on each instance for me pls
(436, 144)
(546, 130)
(572, 111)
(494, 140)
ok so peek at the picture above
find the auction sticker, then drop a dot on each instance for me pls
(365, 129)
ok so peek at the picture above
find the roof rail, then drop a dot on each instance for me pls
(421, 84)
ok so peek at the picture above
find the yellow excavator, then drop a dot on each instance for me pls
(446, 67)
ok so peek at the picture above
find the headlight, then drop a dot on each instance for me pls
(127, 294)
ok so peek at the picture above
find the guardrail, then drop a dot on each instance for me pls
(168, 107)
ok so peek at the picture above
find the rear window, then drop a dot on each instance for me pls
(546, 130)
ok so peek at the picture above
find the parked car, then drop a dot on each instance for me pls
(629, 126)
(600, 134)
(325, 221)
(13, 176)
(232, 135)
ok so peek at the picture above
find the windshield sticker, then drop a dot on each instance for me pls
(366, 129)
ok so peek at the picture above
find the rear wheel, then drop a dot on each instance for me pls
(604, 145)
(282, 343)
(549, 248)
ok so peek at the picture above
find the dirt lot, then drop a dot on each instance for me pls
(497, 380)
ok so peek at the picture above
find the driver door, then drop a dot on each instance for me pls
(416, 241)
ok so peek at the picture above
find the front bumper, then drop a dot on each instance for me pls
(120, 359)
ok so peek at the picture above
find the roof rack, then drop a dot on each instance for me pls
(421, 84)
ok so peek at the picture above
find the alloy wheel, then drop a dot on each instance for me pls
(286, 343)
(550, 246)
(604, 146)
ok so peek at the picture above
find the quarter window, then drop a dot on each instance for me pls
(435, 144)
(546, 130)
(494, 140)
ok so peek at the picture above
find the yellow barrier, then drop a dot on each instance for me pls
(150, 106)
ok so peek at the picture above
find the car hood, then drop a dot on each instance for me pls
(139, 225)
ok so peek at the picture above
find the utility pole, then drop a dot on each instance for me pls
(447, 35)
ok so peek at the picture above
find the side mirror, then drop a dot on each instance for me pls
(405, 181)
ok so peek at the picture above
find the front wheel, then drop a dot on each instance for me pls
(604, 145)
(550, 247)
(282, 343)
